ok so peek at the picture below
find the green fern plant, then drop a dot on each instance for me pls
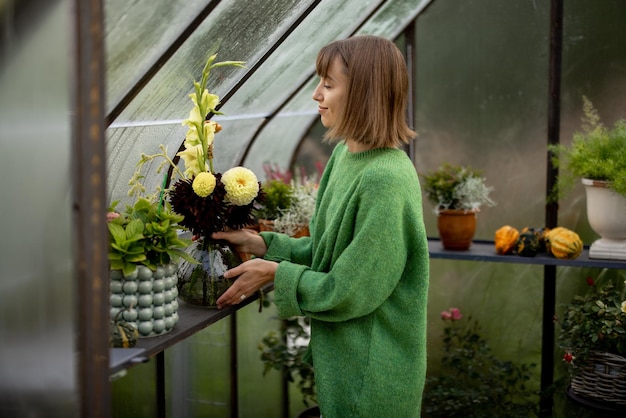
(596, 153)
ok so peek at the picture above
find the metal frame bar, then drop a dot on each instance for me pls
(89, 209)
(551, 211)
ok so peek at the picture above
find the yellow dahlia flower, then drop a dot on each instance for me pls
(204, 184)
(241, 186)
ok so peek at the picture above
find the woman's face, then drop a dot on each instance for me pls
(330, 93)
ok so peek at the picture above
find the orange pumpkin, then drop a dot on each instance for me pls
(505, 239)
(563, 243)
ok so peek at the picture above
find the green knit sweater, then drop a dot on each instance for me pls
(362, 278)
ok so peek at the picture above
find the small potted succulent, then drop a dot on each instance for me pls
(597, 157)
(457, 192)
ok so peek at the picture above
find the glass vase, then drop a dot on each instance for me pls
(202, 284)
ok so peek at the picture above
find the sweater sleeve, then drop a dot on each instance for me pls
(281, 247)
(367, 266)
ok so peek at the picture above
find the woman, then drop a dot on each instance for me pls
(362, 275)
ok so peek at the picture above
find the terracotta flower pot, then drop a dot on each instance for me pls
(456, 228)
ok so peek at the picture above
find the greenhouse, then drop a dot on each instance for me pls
(524, 320)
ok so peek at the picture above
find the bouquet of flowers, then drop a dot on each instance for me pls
(209, 201)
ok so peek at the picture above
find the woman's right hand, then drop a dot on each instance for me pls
(245, 240)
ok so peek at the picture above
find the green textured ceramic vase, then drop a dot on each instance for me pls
(148, 299)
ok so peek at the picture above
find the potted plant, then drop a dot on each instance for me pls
(286, 352)
(593, 339)
(144, 245)
(294, 220)
(597, 156)
(277, 198)
(289, 201)
(457, 192)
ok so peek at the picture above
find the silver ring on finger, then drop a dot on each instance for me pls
(242, 297)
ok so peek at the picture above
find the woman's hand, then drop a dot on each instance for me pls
(252, 275)
(245, 240)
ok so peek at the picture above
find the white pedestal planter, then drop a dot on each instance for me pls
(606, 212)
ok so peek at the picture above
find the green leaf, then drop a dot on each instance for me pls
(134, 229)
(128, 269)
(117, 232)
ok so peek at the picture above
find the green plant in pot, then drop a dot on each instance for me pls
(294, 220)
(597, 158)
(457, 193)
(144, 246)
(286, 351)
(277, 198)
(593, 339)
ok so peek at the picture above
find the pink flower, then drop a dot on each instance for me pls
(456, 314)
(112, 215)
(453, 314)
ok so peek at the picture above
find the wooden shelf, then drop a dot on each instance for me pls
(191, 320)
(485, 251)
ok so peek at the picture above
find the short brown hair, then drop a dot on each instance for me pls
(375, 111)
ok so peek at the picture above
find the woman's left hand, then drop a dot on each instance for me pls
(251, 276)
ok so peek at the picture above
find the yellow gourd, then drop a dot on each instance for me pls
(563, 243)
(505, 239)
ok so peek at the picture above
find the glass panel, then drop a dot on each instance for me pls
(482, 94)
(137, 33)
(393, 17)
(294, 60)
(594, 41)
(37, 352)
(280, 138)
(238, 30)
(481, 83)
